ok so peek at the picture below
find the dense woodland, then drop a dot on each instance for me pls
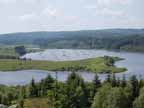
(112, 39)
(76, 93)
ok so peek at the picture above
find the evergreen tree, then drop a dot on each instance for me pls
(32, 89)
(96, 82)
(141, 83)
(100, 96)
(45, 85)
(95, 85)
(108, 79)
(135, 86)
(75, 92)
(48, 82)
(116, 98)
(123, 82)
(139, 101)
(113, 81)
(129, 93)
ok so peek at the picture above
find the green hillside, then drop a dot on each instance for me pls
(111, 39)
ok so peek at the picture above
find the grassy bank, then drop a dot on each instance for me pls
(8, 52)
(99, 65)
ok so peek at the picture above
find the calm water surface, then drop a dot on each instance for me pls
(134, 62)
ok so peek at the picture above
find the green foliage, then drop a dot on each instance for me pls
(46, 85)
(75, 93)
(8, 52)
(32, 89)
(20, 50)
(139, 101)
(116, 98)
(100, 96)
(135, 86)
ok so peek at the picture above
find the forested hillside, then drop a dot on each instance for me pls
(117, 39)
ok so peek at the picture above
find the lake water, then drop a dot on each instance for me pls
(134, 62)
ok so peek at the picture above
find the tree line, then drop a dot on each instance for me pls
(76, 93)
(115, 39)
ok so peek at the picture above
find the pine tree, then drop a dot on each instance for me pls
(32, 89)
(139, 101)
(45, 85)
(113, 81)
(123, 82)
(96, 82)
(116, 98)
(75, 92)
(100, 96)
(135, 86)
(95, 85)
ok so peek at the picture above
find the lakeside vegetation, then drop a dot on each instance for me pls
(98, 65)
(7, 52)
(12, 52)
(75, 93)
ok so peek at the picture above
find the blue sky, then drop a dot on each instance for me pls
(61, 15)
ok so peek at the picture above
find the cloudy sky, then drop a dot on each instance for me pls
(60, 15)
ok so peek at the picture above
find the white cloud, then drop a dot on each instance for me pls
(113, 2)
(7, 1)
(91, 7)
(28, 16)
(111, 12)
(50, 12)
(108, 8)
(16, 1)
(31, 1)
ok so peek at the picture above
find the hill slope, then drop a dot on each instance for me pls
(119, 39)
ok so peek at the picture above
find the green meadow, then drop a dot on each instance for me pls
(96, 65)
(7, 51)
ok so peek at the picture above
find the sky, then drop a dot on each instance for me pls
(67, 15)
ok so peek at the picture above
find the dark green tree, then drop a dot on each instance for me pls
(123, 82)
(108, 78)
(139, 101)
(135, 86)
(45, 85)
(96, 83)
(116, 98)
(75, 92)
(32, 89)
(113, 81)
(101, 96)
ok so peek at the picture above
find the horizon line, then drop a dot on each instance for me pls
(34, 31)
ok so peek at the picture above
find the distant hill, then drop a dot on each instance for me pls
(119, 39)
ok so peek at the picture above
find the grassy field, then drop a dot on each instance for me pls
(99, 65)
(37, 103)
(7, 51)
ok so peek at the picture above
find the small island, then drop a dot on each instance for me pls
(104, 64)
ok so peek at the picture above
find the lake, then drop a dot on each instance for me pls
(134, 62)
